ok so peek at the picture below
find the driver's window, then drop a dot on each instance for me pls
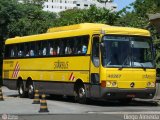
(95, 51)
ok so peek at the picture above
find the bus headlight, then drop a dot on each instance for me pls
(114, 84)
(108, 84)
(150, 84)
(111, 84)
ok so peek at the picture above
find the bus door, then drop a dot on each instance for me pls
(94, 70)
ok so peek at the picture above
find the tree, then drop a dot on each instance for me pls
(38, 3)
(34, 21)
(138, 17)
(93, 15)
(23, 19)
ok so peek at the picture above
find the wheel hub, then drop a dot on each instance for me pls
(21, 90)
(81, 92)
(30, 89)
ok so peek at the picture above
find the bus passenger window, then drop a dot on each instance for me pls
(20, 50)
(39, 48)
(20, 53)
(9, 51)
(54, 48)
(71, 43)
(26, 49)
(51, 50)
(32, 53)
(82, 44)
(12, 53)
(54, 52)
(69, 47)
(45, 48)
(79, 47)
(84, 48)
(15, 51)
(27, 53)
(58, 50)
(44, 51)
(68, 50)
(62, 47)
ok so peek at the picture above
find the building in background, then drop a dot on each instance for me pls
(62, 5)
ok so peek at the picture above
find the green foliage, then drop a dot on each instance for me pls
(157, 46)
(38, 3)
(34, 21)
(19, 19)
(131, 19)
(91, 15)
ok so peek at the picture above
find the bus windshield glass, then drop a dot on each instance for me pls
(126, 51)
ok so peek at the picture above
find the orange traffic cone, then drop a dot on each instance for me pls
(36, 98)
(43, 104)
(1, 95)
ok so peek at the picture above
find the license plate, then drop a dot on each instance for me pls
(131, 95)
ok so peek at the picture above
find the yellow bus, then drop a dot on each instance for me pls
(85, 60)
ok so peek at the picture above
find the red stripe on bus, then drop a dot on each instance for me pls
(73, 78)
(70, 76)
(14, 70)
(17, 70)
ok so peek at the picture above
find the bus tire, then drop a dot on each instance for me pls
(81, 94)
(31, 90)
(21, 91)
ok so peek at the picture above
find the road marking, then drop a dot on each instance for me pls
(115, 113)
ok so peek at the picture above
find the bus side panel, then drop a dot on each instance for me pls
(55, 75)
(57, 82)
(55, 87)
(11, 84)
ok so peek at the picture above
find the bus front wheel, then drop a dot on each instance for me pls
(80, 95)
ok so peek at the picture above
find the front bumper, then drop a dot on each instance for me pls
(117, 93)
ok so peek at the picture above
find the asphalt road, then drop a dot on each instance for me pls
(60, 108)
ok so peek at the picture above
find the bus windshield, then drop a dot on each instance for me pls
(126, 51)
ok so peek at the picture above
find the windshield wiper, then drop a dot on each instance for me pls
(121, 67)
(125, 61)
(142, 66)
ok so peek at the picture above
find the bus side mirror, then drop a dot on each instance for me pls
(158, 75)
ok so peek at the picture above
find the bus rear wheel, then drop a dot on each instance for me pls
(21, 91)
(31, 91)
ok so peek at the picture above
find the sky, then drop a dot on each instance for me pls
(123, 3)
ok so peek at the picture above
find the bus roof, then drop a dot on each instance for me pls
(77, 26)
(80, 29)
